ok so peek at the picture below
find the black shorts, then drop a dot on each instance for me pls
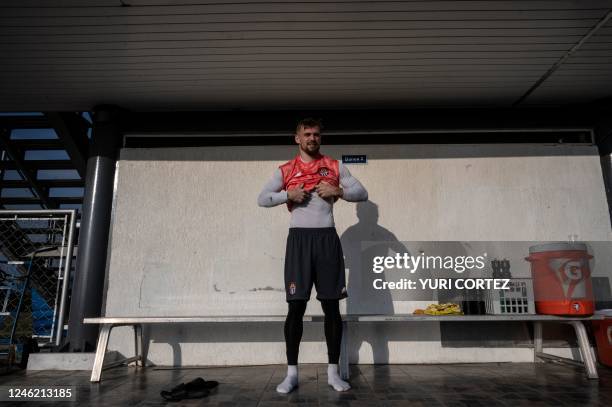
(314, 255)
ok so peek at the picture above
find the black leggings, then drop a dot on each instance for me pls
(294, 327)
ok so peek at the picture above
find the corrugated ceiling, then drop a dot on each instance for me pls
(193, 55)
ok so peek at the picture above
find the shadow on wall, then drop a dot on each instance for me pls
(360, 243)
(366, 240)
(381, 151)
(363, 298)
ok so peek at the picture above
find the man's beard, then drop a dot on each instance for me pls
(312, 149)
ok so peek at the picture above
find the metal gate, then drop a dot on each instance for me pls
(46, 238)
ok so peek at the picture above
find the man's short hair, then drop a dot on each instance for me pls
(308, 122)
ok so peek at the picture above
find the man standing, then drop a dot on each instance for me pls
(309, 185)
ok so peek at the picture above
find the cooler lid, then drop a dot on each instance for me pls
(606, 312)
(557, 246)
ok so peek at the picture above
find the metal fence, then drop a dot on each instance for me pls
(44, 237)
(15, 321)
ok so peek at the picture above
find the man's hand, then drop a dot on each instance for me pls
(326, 190)
(298, 195)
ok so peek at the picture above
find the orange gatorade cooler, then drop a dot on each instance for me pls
(603, 336)
(561, 278)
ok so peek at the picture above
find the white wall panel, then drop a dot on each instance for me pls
(189, 239)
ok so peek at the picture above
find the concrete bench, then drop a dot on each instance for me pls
(108, 323)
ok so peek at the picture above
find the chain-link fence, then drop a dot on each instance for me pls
(44, 238)
(15, 319)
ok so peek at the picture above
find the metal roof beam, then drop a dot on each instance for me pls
(26, 173)
(71, 128)
(41, 165)
(24, 122)
(564, 58)
(2, 170)
(283, 121)
(38, 144)
(45, 183)
(51, 202)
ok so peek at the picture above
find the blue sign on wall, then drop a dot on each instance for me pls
(354, 159)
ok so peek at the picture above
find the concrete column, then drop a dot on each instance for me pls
(87, 289)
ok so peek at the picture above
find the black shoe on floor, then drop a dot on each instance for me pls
(195, 389)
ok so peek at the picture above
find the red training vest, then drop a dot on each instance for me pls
(296, 172)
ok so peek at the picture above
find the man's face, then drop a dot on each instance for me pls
(309, 139)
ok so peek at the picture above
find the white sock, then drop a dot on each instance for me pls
(334, 380)
(290, 382)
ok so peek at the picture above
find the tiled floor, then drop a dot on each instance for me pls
(503, 384)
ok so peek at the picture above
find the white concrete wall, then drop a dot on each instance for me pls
(189, 239)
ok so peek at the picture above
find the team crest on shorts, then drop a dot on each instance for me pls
(291, 288)
(323, 172)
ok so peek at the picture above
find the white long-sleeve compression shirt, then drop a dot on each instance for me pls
(315, 212)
